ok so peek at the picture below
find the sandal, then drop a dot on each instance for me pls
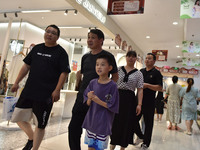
(169, 127)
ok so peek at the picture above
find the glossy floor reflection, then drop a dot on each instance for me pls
(56, 137)
(162, 139)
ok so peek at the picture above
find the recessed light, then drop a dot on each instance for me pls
(178, 56)
(177, 46)
(175, 23)
(148, 37)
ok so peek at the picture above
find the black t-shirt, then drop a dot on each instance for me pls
(154, 77)
(88, 70)
(46, 65)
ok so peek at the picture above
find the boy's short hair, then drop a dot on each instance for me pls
(55, 27)
(131, 53)
(106, 57)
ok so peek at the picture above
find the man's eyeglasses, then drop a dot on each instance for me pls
(52, 32)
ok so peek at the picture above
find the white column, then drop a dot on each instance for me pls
(5, 46)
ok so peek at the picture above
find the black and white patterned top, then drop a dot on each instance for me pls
(129, 81)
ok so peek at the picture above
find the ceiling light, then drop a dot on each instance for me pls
(75, 12)
(175, 23)
(177, 46)
(16, 15)
(66, 12)
(178, 56)
(197, 55)
(148, 37)
(5, 16)
(35, 11)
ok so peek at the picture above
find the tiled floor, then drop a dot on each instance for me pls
(56, 137)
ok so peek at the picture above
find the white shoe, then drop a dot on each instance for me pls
(144, 146)
(138, 141)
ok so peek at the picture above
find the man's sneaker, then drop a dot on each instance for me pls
(138, 141)
(28, 145)
(144, 146)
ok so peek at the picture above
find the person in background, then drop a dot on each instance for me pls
(159, 105)
(189, 96)
(173, 103)
(48, 67)
(152, 83)
(88, 62)
(129, 79)
(102, 97)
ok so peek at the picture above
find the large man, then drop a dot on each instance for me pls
(95, 42)
(152, 83)
(48, 67)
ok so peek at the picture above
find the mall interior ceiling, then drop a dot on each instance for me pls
(156, 22)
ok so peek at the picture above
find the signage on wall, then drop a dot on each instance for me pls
(74, 65)
(161, 55)
(190, 47)
(182, 70)
(130, 48)
(190, 61)
(87, 4)
(116, 7)
(190, 9)
(118, 40)
(124, 46)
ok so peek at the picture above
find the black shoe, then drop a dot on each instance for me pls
(29, 145)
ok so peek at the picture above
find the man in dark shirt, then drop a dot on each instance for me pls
(48, 67)
(88, 62)
(152, 83)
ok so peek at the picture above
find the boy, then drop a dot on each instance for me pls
(103, 98)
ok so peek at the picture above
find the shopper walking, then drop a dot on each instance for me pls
(102, 97)
(48, 67)
(129, 79)
(159, 105)
(88, 62)
(173, 103)
(189, 96)
(152, 83)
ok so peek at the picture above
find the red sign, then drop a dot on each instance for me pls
(116, 7)
(161, 55)
(193, 71)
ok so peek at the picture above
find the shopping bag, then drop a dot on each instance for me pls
(9, 103)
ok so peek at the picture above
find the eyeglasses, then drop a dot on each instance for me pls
(52, 32)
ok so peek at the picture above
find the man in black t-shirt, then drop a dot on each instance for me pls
(48, 67)
(88, 62)
(152, 83)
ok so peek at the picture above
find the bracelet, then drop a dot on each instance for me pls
(140, 104)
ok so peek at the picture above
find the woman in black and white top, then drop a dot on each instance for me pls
(123, 125)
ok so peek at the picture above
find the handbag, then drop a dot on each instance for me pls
(9, 103)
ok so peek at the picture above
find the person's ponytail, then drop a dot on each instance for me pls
(190, 82)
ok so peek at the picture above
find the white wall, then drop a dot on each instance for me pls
(31, 34)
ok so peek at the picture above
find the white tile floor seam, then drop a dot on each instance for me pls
(162, 139)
